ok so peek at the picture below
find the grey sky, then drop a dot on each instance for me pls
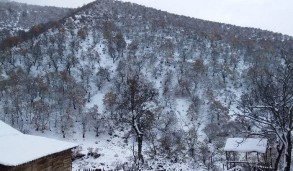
(273, 15)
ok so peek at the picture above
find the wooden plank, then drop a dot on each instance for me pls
(56, 162)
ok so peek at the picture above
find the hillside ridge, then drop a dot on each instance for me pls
(136, 85)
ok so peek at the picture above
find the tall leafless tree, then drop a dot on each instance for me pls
(269, 106)
(135, 105)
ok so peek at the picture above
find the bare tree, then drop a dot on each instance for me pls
(269, 106)
(102, 75)
(135, 106)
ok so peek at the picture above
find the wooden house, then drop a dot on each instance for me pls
(248, 153)
(21, 152)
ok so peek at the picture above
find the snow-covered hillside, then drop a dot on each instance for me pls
(118, 78)
(15, 18)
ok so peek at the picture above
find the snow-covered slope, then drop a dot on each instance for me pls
(18, 17)
(75, 80)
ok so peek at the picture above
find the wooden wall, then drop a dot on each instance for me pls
(55, 162)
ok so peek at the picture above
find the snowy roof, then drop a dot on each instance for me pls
(17, 148)
(246, 145)
(6, 130)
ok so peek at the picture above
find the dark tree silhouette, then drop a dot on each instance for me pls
(269, 106)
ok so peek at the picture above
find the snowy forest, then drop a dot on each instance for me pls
(142, 89)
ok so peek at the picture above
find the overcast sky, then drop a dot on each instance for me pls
(273, 15)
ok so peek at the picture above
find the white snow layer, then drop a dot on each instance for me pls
(246, 145)
(17, 148)
(6, 130)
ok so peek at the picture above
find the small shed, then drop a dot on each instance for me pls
(21, 152)
(252, 153)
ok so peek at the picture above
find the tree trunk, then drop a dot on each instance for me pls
(83, 130)
(63, 133)
(97, 131)
(139, 137)
(288, 152)
(277, 161)
(139, 148)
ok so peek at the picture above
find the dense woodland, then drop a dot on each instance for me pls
(177, 85)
